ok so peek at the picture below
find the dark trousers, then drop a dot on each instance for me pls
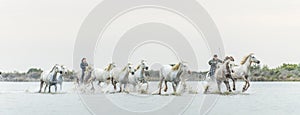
(82, 76)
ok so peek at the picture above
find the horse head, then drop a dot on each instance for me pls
(64, 69)
(182, 68)
(57, 69)
(250, 59)
(253, 59)
(228, 58)
(144, 65)
(129, 68)
(229, 64)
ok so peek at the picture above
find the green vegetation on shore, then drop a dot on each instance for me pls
(32, 75)
(285, 72)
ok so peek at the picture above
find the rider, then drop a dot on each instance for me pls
(213, 64)
(83, 66)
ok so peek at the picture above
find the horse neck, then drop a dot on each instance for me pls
(141, 71)
(179, 72)
(54, 75)
(125, 71)
(247, 64)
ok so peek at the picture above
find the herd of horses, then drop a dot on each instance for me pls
(177, 74)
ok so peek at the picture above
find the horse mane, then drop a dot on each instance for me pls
(228, 58)
(138, 67)
(176, 67)
(89, 68)
(245, 58)
(53, 68)
(108, 68)
(125, 67)
(227, 65)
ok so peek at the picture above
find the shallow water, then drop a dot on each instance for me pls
(261, 98)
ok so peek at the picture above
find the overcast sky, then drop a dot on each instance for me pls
(41, 33)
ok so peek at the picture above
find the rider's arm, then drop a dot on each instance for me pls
(220, 61)
(82, 66)
(210, 62)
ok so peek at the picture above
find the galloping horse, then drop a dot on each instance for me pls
(229, 72)
(121, 77)
(139, 77)
(101, 75)
(173, 74)
(60, 77)
(243, 71)
(50, 78)
(223, 73)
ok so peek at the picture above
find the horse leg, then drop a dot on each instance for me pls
(233, 83)
(184, 85)
(92, 86)
(41, 86)
(219, 86)
(49, 89)
(206, 89)
(134, 87)
(77, 81)
(45, 88)
(174, 85)
(147, 86)
(227, 86)
(99, 82)
(113, 83)
(60, 86)
(120, 88)
(246, 83)
(160, 86)
(55, 88)
(125, 87)
(166, 86)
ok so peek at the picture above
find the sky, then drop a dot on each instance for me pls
(41, 33)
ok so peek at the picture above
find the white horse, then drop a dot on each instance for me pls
(50, 78)
(121, 76)
(243, 71)
(139, 77)
(173, 74)
(101, 75)
(223, 73)
(60, 78)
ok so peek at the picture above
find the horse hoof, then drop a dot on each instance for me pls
(233, 89)
(244, 90)
(230, 90)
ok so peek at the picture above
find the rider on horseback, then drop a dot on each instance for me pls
(213, 64)
(83, 66)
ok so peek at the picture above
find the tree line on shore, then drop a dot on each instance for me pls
(285, 72)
